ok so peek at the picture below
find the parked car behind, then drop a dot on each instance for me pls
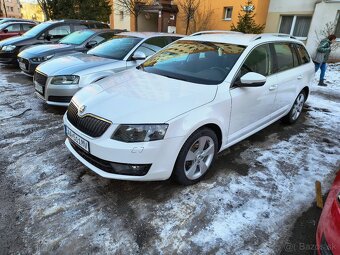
(328, 232)
(79, 41)
(47, 32)
(5, 20)
(57, 80)
(194, 98)
(10, 29)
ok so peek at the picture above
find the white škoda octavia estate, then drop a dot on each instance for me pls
(196, 97)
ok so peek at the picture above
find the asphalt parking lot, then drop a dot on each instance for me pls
(248, 204)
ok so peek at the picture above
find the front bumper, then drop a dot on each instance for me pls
(27, 66)
(8, 57)
(58, 95)
(160, 155)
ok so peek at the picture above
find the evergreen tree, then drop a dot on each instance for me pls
(246, 23)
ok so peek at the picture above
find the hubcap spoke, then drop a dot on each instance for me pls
(203, 167)
(190, 156)
(208, 151)
(192, 170)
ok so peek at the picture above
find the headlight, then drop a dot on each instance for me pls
(42, 59)
(8, 47)
(140, 133)
(65, 80)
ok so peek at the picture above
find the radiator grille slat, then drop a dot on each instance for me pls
(89, 125)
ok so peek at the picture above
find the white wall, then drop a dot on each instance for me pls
(292, 5)
(121, 23)
(323, 14)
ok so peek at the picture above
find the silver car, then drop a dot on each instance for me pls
(57, 80)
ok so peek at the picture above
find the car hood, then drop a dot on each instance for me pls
(134, 96)
(71, 64)
(14, 40)
(45, 50)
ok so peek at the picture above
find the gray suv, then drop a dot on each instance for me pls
(57, 80)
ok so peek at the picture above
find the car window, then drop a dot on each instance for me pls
(77, 38)
(26, 27)
(194, 61)
(14, 28)
(160, 42)
(295, 56)
(174, 38)
(78, 27)
(116, 48)
(284, 57)
(258, 61)
(103, 37)
(303, 54)
(59, 31)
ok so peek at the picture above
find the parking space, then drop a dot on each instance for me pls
(248, 203)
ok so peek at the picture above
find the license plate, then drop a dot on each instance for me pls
(39, 88)
(81, 142)
(22, 65)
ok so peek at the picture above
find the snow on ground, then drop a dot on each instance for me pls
(247, 205)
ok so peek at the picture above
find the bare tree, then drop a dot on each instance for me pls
(202, 20)
(189, 9)
(327, 30)
(44, 7)
(132, 7)
(4, 6)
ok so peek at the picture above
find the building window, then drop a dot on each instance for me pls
(121, 15)
(295, 25)
(228, 11)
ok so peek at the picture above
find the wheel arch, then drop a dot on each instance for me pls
(306, 90)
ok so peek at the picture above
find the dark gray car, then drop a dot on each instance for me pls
(79, 41)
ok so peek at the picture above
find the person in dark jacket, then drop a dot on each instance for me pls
(324, 47)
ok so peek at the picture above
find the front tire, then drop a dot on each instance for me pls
(196, 156)
(296, 109)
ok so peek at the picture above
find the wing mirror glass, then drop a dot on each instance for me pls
(5, 30)
(138, 55)
(251, 79)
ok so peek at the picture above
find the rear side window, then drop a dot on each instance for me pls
(258, 61)
(103, 37)
(59, 31)
(79, 27)
(303, 54)
(284, 54)
(13, 28)
(26, 27)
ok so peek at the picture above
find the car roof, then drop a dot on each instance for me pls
(240, 38)
(74, 21)
(20, 22)
(148, 34)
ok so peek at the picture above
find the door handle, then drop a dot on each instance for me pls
(272, 87)
(300, 77)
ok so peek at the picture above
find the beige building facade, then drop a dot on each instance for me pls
(305, 19)
(10, 9)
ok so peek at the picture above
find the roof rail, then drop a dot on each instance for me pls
(215, 32)
(260, 36)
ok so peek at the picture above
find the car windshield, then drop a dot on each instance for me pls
(77, 38)
(36, 30)
(195, 61)
(116, 48)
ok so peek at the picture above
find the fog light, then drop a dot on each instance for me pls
(129, 169)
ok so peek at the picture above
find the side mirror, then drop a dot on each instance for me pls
(252, 79)
(5, 30)
(91, 44)
(138, 55)
(48, 37)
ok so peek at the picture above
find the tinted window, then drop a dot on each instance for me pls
(117, 48)
(37, 29)
(295, 56)
(103, 37)
(303, 54)
(77, 38)
(79, 27)
(14, 28)
(174, 38)
(27, 27)
(258, 61)
(160, 42)
(284, 57)
(193, 61)
(59, 31)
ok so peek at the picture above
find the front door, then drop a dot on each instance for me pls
(252, 106)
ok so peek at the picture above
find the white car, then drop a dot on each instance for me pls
(198, 96)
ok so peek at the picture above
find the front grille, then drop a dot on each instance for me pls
(60, 99)
(87, 124)
(40, 78)
(111, 167)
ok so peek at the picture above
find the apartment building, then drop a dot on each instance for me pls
(10, 9)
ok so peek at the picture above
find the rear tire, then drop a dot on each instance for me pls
(196, 156)
(296, 110)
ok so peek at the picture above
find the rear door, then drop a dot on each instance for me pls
(252, 106)
(289, 77)
(26, 27)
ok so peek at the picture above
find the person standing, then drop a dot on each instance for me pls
(322, 54)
